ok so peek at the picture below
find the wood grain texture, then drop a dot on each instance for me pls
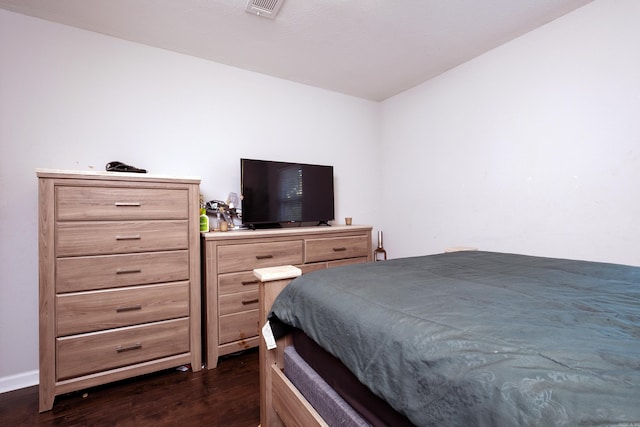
(78, 203)
(228, 291)
(119, 278)
(109, 237)
(98, 351)
(112, 271)
(114, 308)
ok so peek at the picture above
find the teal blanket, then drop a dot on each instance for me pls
(480, 338)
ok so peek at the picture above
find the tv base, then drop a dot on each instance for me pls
(265, 226)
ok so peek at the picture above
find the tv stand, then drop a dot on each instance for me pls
(325, 223)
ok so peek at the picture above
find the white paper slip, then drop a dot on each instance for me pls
(267, 334)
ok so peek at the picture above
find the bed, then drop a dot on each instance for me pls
(465, 338)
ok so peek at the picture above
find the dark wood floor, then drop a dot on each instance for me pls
(226, 396)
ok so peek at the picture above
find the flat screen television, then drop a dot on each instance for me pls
(279, 193)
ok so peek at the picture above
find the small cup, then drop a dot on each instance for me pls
(224, 226)
(348, 220)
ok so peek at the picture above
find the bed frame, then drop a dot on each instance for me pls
(281, 404)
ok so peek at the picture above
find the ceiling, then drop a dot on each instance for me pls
(371, 49)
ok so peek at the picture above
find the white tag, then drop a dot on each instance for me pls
(267, 333)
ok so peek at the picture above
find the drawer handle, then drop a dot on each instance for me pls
(340, 249)
(129, 308)
(249, 282)
(128, 270)
(264, 256)
(130, 204)
(250, 301)
(134, 237)
(122, 349)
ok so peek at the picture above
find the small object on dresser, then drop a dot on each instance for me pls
(204, 220)
(123, 167)
(348, 220)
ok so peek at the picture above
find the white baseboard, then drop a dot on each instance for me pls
(15, 382)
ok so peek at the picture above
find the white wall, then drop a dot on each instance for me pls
(533, 147)
(72, 99)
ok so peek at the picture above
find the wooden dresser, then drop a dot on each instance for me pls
(119, 277)
(230, 290)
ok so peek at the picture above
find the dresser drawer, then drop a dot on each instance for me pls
(99, 238)
(232, 283)
(238, 326)
(332, 248)
(233, 258)
(117, 203)
(99, 351)
(110, 271)
(114, 308)
(236, 303)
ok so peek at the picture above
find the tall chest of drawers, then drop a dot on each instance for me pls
(119, 274)
(230, 290)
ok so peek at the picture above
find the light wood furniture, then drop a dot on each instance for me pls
(281, 404)
(119, 277)
(230, 290)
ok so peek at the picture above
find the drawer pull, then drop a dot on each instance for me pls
(125, 204)
(340, 249)
(249, 282)
(134, 237)
(129, 308)
(128, 270)
(264, 256)
(121, 349)
(250, 301)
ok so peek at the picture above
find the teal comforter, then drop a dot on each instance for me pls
(481, 338)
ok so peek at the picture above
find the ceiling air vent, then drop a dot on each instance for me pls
(264, 8)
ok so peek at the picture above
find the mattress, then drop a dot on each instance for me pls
(481, 338)
(375, 411)
(333, 409)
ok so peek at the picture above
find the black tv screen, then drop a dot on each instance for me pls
(275, 193)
